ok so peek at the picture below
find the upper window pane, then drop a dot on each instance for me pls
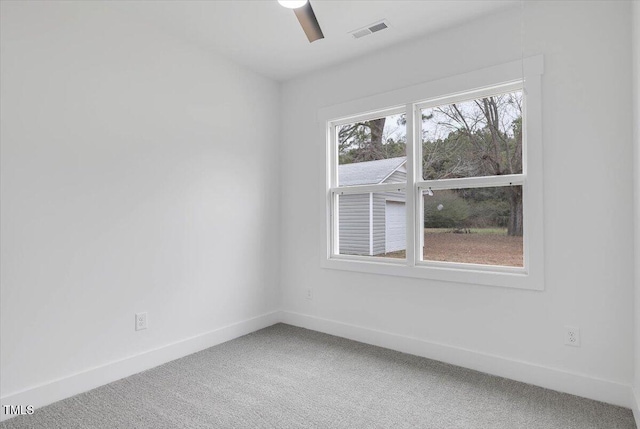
(481, 137)
(372, 151)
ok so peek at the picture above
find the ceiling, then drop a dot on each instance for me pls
(267, 38)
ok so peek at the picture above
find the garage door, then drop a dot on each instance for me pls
(395, 226)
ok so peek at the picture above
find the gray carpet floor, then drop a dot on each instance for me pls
(288, 377)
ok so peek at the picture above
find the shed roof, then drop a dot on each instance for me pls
(368, 172)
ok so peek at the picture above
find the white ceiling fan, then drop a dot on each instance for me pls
(306, 17)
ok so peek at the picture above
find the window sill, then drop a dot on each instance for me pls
(516, 278)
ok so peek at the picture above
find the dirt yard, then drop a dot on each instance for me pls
(491, 247)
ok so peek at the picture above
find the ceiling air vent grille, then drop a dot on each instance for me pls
(378, 27)
(361, 33)
(370, 29)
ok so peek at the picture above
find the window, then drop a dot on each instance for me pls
(470, 192)
(445, 185)
(371, 177)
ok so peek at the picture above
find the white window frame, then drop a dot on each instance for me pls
(525, 75)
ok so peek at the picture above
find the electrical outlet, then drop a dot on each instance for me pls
(141, 321)
(572, 336)
(309, 294)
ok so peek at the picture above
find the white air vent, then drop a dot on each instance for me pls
(370, 29)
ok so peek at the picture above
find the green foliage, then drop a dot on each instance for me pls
(489, 213)
(467, 208)
(389, 149)
(445, 209)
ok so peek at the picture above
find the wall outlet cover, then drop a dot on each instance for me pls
(141, 321)
(572, 336)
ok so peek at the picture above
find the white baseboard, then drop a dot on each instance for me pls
(577, 384)
(527, 372)
(635, 405)
(65, 387)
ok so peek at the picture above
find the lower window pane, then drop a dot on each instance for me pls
(372, 224)
(475, 226)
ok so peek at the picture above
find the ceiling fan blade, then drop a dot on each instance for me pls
(309, 22)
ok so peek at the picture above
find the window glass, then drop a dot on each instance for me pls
(481, 137)
(373, 151)
(372, 224)
(476, 226)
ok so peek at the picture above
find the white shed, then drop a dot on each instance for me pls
(372, 223)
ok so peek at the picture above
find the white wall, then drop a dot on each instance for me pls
(636, 157)
(587, 214)
(120, 157)
(137, 175)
